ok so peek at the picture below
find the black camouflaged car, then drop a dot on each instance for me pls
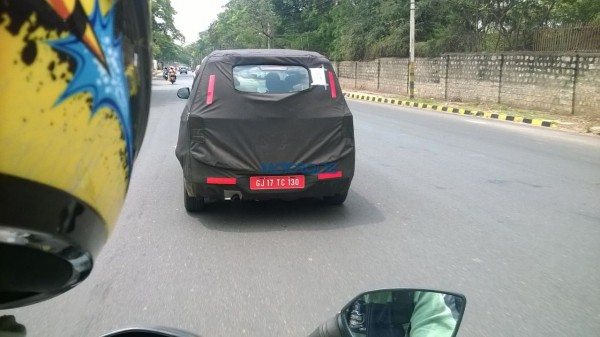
(265, 124)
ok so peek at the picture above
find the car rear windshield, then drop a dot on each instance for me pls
(270, 79)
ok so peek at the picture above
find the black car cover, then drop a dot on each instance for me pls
(230, 132)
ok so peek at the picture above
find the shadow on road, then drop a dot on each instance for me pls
(277, 215)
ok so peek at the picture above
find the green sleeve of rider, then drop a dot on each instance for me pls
(431, 316)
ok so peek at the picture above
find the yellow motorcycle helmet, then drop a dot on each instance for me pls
(74, 100)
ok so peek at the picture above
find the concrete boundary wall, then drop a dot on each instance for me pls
(559, 83)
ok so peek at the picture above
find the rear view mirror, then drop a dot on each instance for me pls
(183, 93)
(403, 312)
(150, 332)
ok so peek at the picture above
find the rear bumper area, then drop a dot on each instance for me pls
(314, 188)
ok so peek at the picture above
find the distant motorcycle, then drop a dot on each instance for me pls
(172, 78)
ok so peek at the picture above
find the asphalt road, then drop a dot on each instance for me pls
(507, 214)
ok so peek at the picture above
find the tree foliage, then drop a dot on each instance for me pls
(164, 32)
(366, 29)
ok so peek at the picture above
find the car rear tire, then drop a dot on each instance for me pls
(336, 199)
(192, 204)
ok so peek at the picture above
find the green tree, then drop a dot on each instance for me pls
(244, 24)
(577, 11)
(367, 29)
(164, 32)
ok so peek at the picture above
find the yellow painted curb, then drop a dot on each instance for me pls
(452, 110)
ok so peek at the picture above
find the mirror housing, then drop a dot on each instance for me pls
(183, 93)
(150, 332)
(397, 312)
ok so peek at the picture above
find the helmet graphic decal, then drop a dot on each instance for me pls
(73, 12)
(99, 62)
(76, 99)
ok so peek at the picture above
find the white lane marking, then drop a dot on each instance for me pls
(475, 121)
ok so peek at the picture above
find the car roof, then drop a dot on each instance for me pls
(220, 55)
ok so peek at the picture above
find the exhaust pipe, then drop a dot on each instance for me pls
(232, 195)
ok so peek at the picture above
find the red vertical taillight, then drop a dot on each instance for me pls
(210, 91)
(332, 88)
